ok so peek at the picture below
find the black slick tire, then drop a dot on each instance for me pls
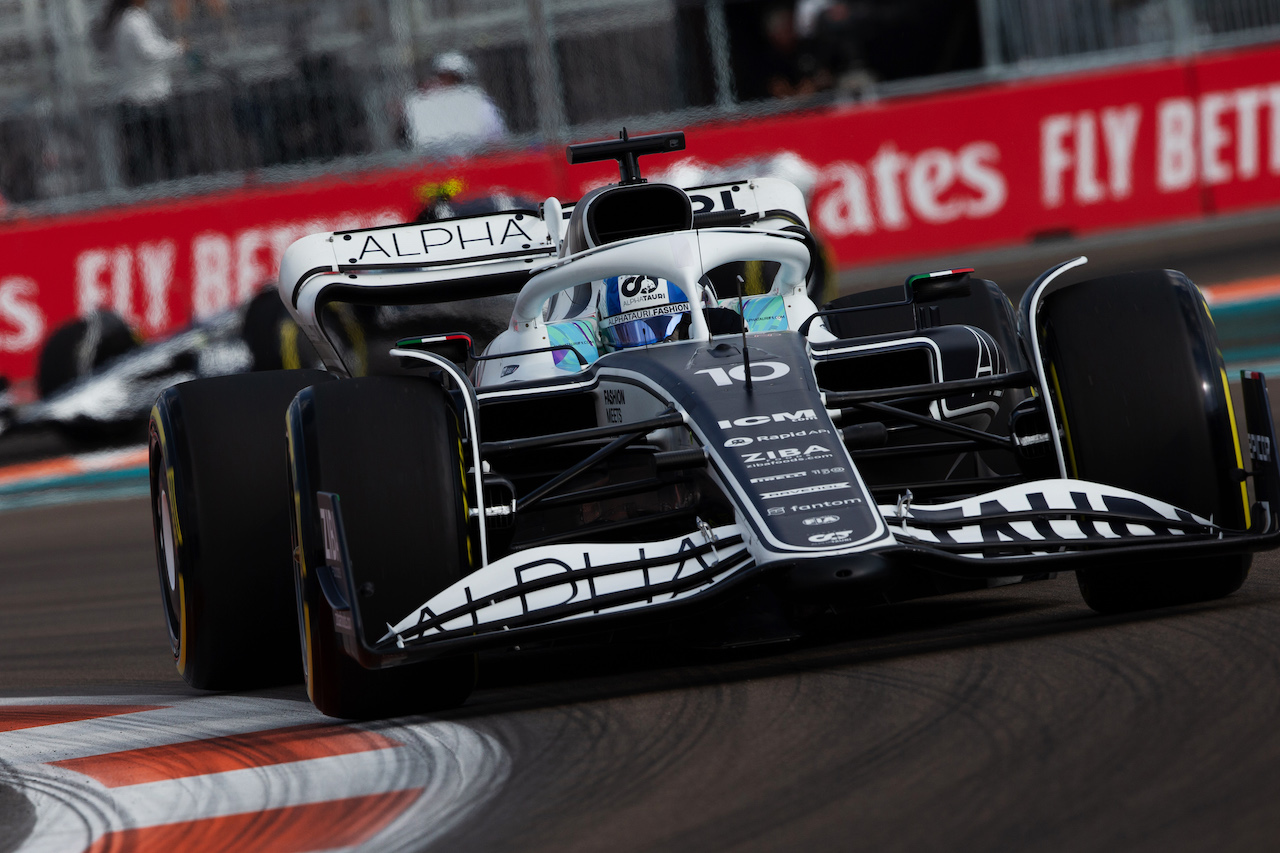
(1139, 383)
(79, 347)
(219, 502)
(389, 449)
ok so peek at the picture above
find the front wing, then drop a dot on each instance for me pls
(1043, 526)
(1032, 528)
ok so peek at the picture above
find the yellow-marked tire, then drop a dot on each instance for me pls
(273, 337)
(389, 448)
(219, 488)
(1140, 388)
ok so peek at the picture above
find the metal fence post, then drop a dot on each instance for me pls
(718, 38)
(395, 75)
(1182, 20)
(989, 23)
(547, 90)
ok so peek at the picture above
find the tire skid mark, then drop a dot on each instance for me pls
(214, 773)
(329, 825)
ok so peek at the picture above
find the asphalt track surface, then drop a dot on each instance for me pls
(1012, 718)
(1006, 719)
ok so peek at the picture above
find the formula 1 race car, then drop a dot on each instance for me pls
(645, 448)
(97, 380)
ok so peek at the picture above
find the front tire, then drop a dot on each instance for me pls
(221, 524)
(390, 449)
(1141, 390)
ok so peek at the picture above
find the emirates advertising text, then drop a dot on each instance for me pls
(940, 174)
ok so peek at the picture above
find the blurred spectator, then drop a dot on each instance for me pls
(182, 8)
(1140, 22)
(19, 167)
(144, 58)
(789, 67)
(451, 113)
(312, 111)
(833, 31)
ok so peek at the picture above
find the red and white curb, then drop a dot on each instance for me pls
(217, 773)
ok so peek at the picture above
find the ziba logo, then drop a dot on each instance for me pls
(788, 453)
(820, 520)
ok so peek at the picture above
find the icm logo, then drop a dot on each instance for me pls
(821, 520)
(737, 442)
(761, 371)
(832, 538)
(761, 420)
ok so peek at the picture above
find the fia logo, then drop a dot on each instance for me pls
(820, 520)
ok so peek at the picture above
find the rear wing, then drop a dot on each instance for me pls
(494, 245)
(476, 256)
(473, 247)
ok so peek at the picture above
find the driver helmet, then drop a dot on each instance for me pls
(636, 310)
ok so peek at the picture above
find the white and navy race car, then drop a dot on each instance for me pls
(670, 432)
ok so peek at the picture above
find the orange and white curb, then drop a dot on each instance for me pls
(1242, 292)
(230, 773)
(53, 471)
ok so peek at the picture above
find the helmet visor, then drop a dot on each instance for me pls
(625, 332)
